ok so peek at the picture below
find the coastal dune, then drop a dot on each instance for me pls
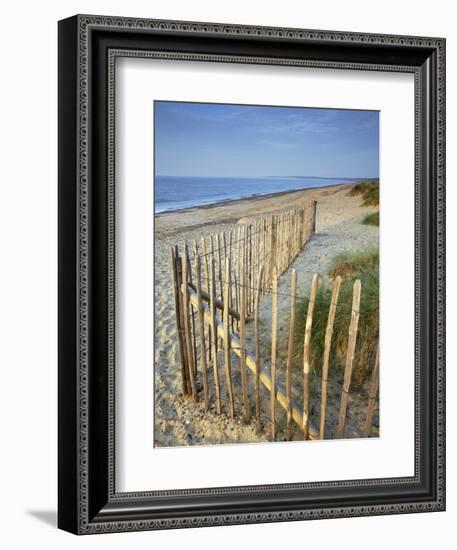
(178, 421)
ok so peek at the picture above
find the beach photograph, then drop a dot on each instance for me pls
(266, 274)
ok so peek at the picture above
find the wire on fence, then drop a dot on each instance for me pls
(287, 295)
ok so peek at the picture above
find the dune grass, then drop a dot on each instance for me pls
(369, 191)
(363, 266)
(371, 219)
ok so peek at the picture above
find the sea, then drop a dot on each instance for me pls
(178, 192)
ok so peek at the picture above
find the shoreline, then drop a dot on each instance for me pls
(252, 198)
(206, 217)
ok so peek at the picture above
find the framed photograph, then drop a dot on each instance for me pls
(251, 274)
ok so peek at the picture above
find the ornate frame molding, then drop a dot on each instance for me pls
(81, 519)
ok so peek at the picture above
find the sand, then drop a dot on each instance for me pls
(178, 421)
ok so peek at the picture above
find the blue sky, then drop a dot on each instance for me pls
(208, 139)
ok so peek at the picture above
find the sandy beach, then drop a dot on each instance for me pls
(178, 421)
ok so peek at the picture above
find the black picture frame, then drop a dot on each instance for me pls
(88, 502)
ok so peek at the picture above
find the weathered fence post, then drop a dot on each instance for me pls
(290, 350)
(219, 264)
(353, 327)
(274, 330)
(187, 328)
(257, 350)
(202, 332)
(306, 353)
(205, 259)
(372, 393)
(244, 379)
(313, 218)
(238, 252)
(327, 346)
(214, 335)
(227, 342)
(178, 314)
(273, 238)
(192, 314)
(248, 272)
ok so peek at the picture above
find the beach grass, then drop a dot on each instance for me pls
(363, 266)
(371, 219)
(369, 191)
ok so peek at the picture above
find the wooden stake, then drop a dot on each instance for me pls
(306, 353)
(274, 329)
(238, 251)
(232, 287)
(187, 329)
(219, 269)
(179, 273)
(219, 266)
(179, 328)
(257, 350)
(272, 247)
(353, 327)
(237, 305)
(231, 301)
(289, 239)
(372, 393)
(244, 258)
(214, 335)
(201, 320)
(205, 263)
(227, 344)
(205, 259)
(224, 247)
(290, 350)
(249, 279)
(244, 379)
(327, 346)
(301, 230)
(313, 218)
(211, 246)
(192, 312)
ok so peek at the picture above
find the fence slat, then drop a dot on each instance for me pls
(179, 328)
(257, 350)
(274, 331)
(244, 379)
(179, 273)
(353, 327)
(187, 328)
(201, 320)
(306, 353)
(272, 246)
(219, 266)
(205, 261)
(218, 304)
(214, 335)
(290, 349)
(372, 393)
(227, 341)
(327, 346)
(237, 305)
(192, 312)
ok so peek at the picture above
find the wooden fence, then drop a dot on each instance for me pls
(271, 241)
(219, 289)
